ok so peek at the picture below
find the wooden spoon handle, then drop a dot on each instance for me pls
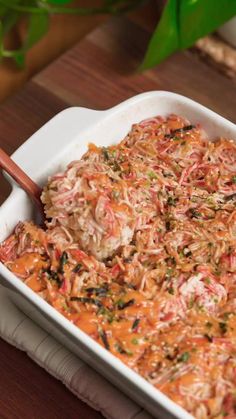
(32, 189)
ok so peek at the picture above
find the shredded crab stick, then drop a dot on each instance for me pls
(140, 253)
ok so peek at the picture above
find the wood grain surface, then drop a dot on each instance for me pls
(102, 70)
(98, 73)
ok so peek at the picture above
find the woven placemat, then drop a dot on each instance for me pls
(218, 53)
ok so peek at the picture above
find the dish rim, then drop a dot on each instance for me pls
(95, 117)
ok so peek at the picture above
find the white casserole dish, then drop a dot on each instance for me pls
(61, 140)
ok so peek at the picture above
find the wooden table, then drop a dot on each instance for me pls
(98, 72)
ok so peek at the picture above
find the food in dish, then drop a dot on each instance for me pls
(140, 253)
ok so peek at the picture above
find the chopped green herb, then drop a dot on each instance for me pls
(116, 167)
(184, 357)
(169, 272)
(105, 312)
(172, 201)
(223, 327)
(230, 197)
(194, 213)
(105, 153)
(186, 128)
(152, 175)
(208, 337)
(122, 304)
(168, 226)
(102, 310)
(207, 281)
(187, 252)
(191, 302)
(171, 290)
(170, 357)
(52, 275)
(121, 350)
(101, 291)
(217, 272)
(209, 325)
(77, 268)
(179, 130)
(234, 179)
(103, 336)
(135, 324)
(63, 261)
(135, 341)
(170, 260)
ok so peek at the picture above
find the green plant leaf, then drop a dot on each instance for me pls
(1, 40)
(165, 39)
(19, 57)
(182, 23)
(37, 27)
(200, 17)
(58, 2)
(9, 20)
(4, 9)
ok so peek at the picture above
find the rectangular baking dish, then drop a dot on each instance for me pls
(63, 139)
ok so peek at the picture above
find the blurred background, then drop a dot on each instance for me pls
(63, 31)
(32, 39)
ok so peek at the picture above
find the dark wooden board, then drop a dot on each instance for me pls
(102, 70)
(21, 116)
(99, 73)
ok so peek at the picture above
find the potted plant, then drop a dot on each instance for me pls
(182, 22)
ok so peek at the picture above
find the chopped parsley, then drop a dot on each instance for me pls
(122, 304)
(171, 201)
(135, 324)
(171, 290)
(77, 268)
(194, 213)
(63, 262)
(223, 327)
(208, 337)
(105, 153)
(103, 336)
(122, 350)
(100, 291)
(52, 275)
(184, 357)
(152, 175)
(168, 226)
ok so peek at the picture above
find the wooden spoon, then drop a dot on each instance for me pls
(29, 186)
